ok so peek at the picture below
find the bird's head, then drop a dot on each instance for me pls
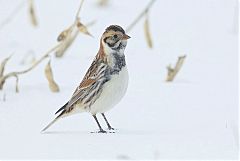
(114, 39)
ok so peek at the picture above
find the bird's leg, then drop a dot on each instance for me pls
(100, 128)
(109, 126)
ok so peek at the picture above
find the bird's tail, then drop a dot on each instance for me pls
(50, 124)
(62, 110)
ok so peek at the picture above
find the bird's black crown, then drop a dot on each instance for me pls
(115, 28)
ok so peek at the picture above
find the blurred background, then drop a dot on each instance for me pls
(193, 117)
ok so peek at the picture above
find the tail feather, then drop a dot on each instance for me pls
(50, 124)
(62, 108)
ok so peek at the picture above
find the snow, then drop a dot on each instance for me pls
(195, 117)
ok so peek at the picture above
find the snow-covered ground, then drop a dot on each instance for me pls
(195, 117)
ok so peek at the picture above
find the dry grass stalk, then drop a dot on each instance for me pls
(142, 14)
(67, 37)
(172, 72)
(16, 74)
(32, 13)
(3, 64)
(65, 41)
(49, 75)
(83, 29)
(147, 31)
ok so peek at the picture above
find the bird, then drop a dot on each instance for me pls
(105, 82)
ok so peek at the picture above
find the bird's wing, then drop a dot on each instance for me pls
(89, 86)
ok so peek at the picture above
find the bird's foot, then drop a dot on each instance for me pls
(100, 131)
(110, 128)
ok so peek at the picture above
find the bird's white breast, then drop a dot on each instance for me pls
(112, 93)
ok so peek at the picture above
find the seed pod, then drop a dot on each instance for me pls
(66, 38)
(147, 31)
(32, 14)
(49, 75)
(83, 29)
(62, 36)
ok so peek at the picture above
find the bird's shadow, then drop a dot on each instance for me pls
(76, 132)
(65, 132)
(116, 132)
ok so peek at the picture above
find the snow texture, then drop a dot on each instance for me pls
(194, 117)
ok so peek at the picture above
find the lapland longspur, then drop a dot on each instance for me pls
(105, 82)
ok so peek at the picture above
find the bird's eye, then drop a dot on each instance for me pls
(115, 36)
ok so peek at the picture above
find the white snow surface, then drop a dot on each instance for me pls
(194, 117)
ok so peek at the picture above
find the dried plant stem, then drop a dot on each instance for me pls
(67, 37)
(65, 40)
(3, 64)
(38, 61)
(172, 72)
(79, 9)
(17, 73)
(66, 43)
(142, 14)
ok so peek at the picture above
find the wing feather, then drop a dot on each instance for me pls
(93, 75)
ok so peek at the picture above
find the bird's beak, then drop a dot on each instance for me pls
(125, 37)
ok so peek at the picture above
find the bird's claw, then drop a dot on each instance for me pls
(100, 131)
(110, 128)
